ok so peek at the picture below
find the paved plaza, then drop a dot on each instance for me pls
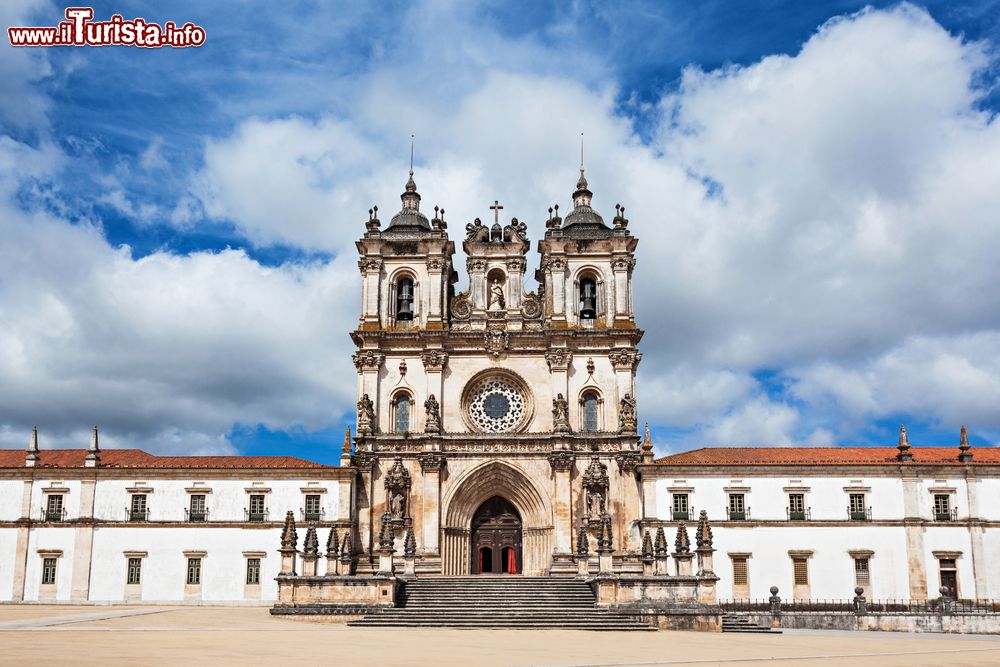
(88, 635)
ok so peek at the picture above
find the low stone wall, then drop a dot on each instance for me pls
(653, 591)
(310, 595)
(888, 622)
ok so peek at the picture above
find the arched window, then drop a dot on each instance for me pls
(404, 299)
(402, 413)
(588, 299)
(590, 422)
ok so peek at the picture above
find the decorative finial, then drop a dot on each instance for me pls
(647, 446)
(964, 448)
(93, 451)
(411, 155)
(32, 456)
(904, 453)
(347, 441)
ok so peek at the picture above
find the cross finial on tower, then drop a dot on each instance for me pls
(496, 208)
(411, 155)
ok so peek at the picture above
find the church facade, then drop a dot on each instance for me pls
(497, 434)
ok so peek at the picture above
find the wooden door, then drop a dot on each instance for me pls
(496, 538)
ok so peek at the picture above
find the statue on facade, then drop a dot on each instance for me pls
(366, 416)
(397, 486)
(626, 415)
(595, 486)
(515, 231)
(432, 421)
(397, 505)
(477, 231)
(560, 414)
(497, 301)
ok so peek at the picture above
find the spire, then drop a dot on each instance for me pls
(345, 451)
(703, 535)
(682, 544)
(964, 448)
(582, 544)
(289, 537)
(310, 546)
(661, 542)
(647, 548)
(411, 186)
(409, 543)
(582, 183)
(647, 446)
(32, 455)
(904, 453)
(93, 451)
(582, 196)
(333, 544)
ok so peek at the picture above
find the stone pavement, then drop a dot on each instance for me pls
(248, 635)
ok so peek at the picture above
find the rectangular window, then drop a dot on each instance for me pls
(134, 577)
(856, 507)
(139, 509)
(800, 570)
(862, 577)
(257, 511)
(194, 572)
(48, 571)
(949, 576)
(942, 506)
(796, 506)
(197, 509)
(737, 506)
(313, 510)
(740, 571)
(681, 509)
(54, 507)
(253, 571)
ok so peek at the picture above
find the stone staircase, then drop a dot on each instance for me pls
(740, 623)
(500, 602)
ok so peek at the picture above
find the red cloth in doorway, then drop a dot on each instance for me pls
(511, 562)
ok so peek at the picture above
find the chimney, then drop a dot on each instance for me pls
(93, 452)
(32, 456)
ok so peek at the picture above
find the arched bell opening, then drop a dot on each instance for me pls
(497, 538)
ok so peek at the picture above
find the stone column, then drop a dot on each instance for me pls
(434, 362)
(366, 463)
(622, 269)
(368, 363)
(436, 266)
(630, 498)
(477, 282)
(556, 268)
(431, 464)
(371, 271)
(625, 361)
(914, 526)
(562, 463)
(558, 359)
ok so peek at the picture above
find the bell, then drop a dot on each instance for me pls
(588, 310)
(405, 310)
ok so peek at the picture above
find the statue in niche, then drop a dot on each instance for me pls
(626, 415)
(560, 414)
(497, 301)
(595, 502)
(366, 416)
(432, 422)
(397, 505)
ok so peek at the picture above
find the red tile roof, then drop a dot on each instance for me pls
(136, 458)
(720, 456)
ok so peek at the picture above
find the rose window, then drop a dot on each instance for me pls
(496, 405)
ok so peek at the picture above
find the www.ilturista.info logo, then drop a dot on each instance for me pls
(80, 30)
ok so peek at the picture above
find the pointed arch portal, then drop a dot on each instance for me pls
(496, 506)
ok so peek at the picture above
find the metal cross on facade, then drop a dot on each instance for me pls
(496, 208)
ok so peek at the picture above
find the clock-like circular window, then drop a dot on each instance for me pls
(495, 404)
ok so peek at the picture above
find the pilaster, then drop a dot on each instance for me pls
(431, 464)
(562, 463)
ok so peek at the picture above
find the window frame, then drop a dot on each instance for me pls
(193, 571)
(50, 570)
(133, 565)
(138, 499)
(253, 569)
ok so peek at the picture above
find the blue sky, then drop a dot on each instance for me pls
(810, 183)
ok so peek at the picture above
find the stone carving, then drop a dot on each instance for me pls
(432, 420)
(365, 461)
(435, 264)
(397, 486)
(475, 265)
(370, 264)
(625, 358)
(515, 231)
(461, 306)
(661, 543)
(553, 264)
(590, 366)
(622, 263)
(626, 415)
(682, 544)
(346, 551)
(477, 231)
(409, 543)
(289, 537)
(431, 462)
(582, 544)
(703, 535)
(595, 486)
(434, 360)
(647, 548)
(607, 538)
(496, 405)
(561, 461)
(386, 534)
(560, 414)
(402, 368)
(516, 265)
(368, 359)
(558, 358)
(366, 416)
(964, 448)
(627, 462)
(531, 306)
(497, 301)
(496, 341)
(332, 545)
(310, 546)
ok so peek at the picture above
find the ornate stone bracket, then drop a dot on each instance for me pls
(558, 358)
(627, 462)
(432, 461)
(561, 461)
(434, 360)
(625, 359)
(365, 461)
(368, 359)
